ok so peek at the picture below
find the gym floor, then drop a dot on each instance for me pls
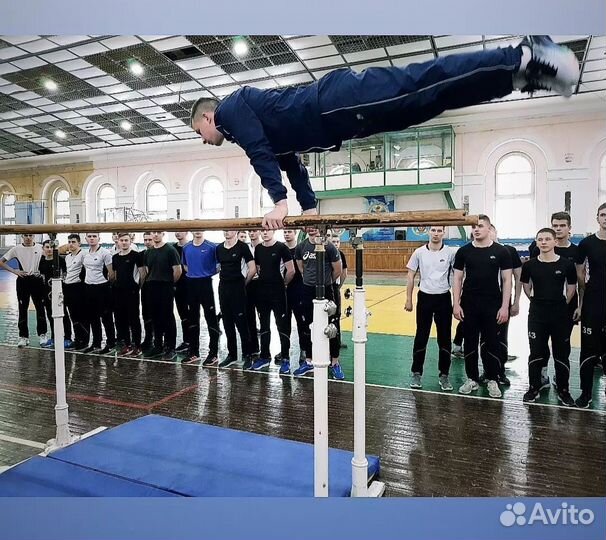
(431, 443)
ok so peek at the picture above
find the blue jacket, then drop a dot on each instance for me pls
(272, 127)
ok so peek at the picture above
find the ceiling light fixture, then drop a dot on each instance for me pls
(136, 68)
(60, 134)
(126, 125)
(50, 85)
(240, 47)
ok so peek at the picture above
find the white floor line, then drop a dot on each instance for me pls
(390, 387)
(23, 442)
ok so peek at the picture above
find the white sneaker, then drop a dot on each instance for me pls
(493, 389)
(551, 67)
(468, 387)
(43, 339)
(22, 342)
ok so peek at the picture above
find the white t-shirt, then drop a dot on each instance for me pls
(435, 268)
(94, 264)
(27, 256)
(73, 264)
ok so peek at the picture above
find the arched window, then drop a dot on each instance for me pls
(61, 212)
(212, 199)
(515, 215)
(212, 205)
(8, 217)
(106, 198)
(266, 203)
(156, 201)
(602, 193)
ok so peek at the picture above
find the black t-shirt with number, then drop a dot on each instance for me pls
(269, 261)
(592, 252)
(548, 279)
(482, 268)
(231, 260)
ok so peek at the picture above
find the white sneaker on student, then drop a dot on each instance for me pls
(493, 389)
(22, 342)
(468, 387)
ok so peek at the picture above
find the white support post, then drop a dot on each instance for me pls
(359, 463)
(63, 436)
(321, 361)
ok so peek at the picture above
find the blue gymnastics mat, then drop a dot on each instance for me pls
(44, 477)
(198, 460)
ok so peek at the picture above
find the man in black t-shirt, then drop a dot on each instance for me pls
(294, 295)
(47, 271)
(561, 224)
(270, 257)
(232, 297)
(181, 294)
(162, 270)
(146, 301)
(482, 301)
(544, 278)
(305, 256)
(591, 274)
(127, 265)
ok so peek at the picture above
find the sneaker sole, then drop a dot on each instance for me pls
(416, 386)
(446, 388)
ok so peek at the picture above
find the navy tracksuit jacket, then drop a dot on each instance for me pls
(274, 126)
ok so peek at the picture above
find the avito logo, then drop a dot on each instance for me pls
(565, 514)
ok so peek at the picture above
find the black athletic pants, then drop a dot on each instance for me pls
(74, 301)
(200, 293)
(31, 287)
(146, 313)
(128, 319)
(232, 300)
(294, 306)
(98, 304)
(593, 336)
(430, 308)
(272, 297)
(48, 306)
(162, 308)
(252, 301)
(183, 308)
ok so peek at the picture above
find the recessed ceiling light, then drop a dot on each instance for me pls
(126, 125)
(136, 68)
(50, 85)
(240, 48)
(60, 134)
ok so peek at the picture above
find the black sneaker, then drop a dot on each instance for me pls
(248, 362)
(155, 352)
(565, 398)
(229, 361)
(503, 380)
(551, 67)
(530, 396)
(169, 355)
(278, 359)
(583, 401)
(108, 349)
(183, 347)
(88, 349)
(211, 360)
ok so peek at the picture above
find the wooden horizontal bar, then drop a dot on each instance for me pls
(392, 219)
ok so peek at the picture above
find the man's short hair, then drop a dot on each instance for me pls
(484, 217)
(203, 105)
(561, 216)
(74, 236)
(601, 207)
(547, 230)
(121, 234)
